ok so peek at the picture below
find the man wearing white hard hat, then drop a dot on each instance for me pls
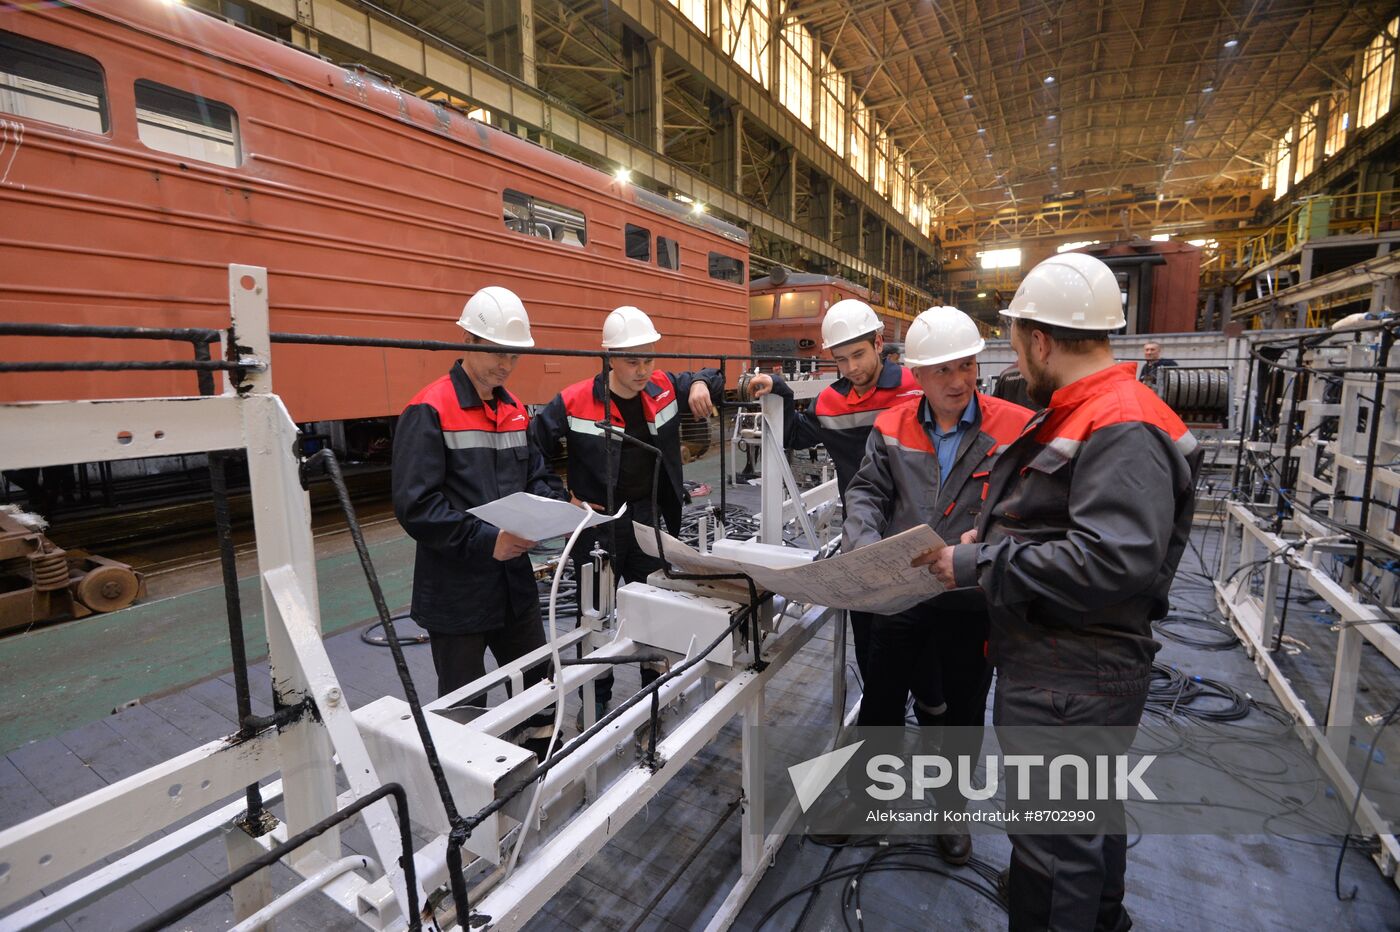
(844, 412)
(644, 402)
(461, 442)
(927, 463)
(1086, 518)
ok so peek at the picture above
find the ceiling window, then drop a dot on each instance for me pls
(860, 141)
(899, 184)
(831, 118)
(1305, 156)
(1377, 73)
(799, 52)
(1283, 164)
(1338, 123)
(696, 11)
(744, 36)
(882, 162)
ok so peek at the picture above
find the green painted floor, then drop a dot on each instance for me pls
(71, 674)
(75, 673)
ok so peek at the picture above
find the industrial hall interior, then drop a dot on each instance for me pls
(660, 465)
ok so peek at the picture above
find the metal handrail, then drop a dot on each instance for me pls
(1358, 212)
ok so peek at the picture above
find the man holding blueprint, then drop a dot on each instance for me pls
(462, 442)
(926, 464)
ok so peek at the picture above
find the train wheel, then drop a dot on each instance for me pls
(108, 587)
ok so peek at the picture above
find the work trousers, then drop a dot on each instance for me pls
(629, 564)
(938, 655)
(1065, 882)
(860, 637)
(460, 658)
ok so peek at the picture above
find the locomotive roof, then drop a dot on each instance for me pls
(805, 280)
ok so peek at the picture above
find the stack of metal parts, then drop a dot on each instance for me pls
(1199, 396)
(41, 582)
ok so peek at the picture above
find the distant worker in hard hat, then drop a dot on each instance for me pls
(463, 441)
(927, 463)
(643, 402)
(845, 410)
(1086, 518)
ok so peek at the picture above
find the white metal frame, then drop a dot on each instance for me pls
(42, 852)
(1300, 544)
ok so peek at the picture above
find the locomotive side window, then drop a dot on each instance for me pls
(800, 304)
(726, 268)
(44, 82)
(668, 253)
(181, 123)
(531, 216)
(638, 241)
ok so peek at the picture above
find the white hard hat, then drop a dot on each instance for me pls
(627, 327)
(497, 316)
(941, 334)
(1070, 290)
(847, 320)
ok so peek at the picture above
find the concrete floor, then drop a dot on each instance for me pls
(62, 740)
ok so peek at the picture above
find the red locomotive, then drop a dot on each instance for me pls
(146, 146)
(786, 308)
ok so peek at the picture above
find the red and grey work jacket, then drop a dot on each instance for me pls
(575, 413)
(840, 420)
(453, 452)
(899, 484)
(1086, 518)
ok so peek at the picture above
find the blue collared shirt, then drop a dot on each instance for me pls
(946, 444)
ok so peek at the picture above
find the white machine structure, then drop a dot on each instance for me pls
(723, 652)
(721, 661)
(1317, 489)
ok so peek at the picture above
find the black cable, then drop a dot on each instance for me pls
(221, 886)
(1356, 804)
(881, 865)
(642, 695)
(1180, 627)
(665, 888)
(816, 891)
(369, 638)
(458, 834)
(252, 821)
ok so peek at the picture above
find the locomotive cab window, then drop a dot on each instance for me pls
(800, 304)
(761, 307)
(726, 268)
(524, 213)
(185, 124)
(44, 82)
(668, 253)
(638, 240)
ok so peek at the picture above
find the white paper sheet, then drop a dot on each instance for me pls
(535, 517)
(876, 578)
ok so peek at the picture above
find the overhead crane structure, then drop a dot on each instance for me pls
(862, 139)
